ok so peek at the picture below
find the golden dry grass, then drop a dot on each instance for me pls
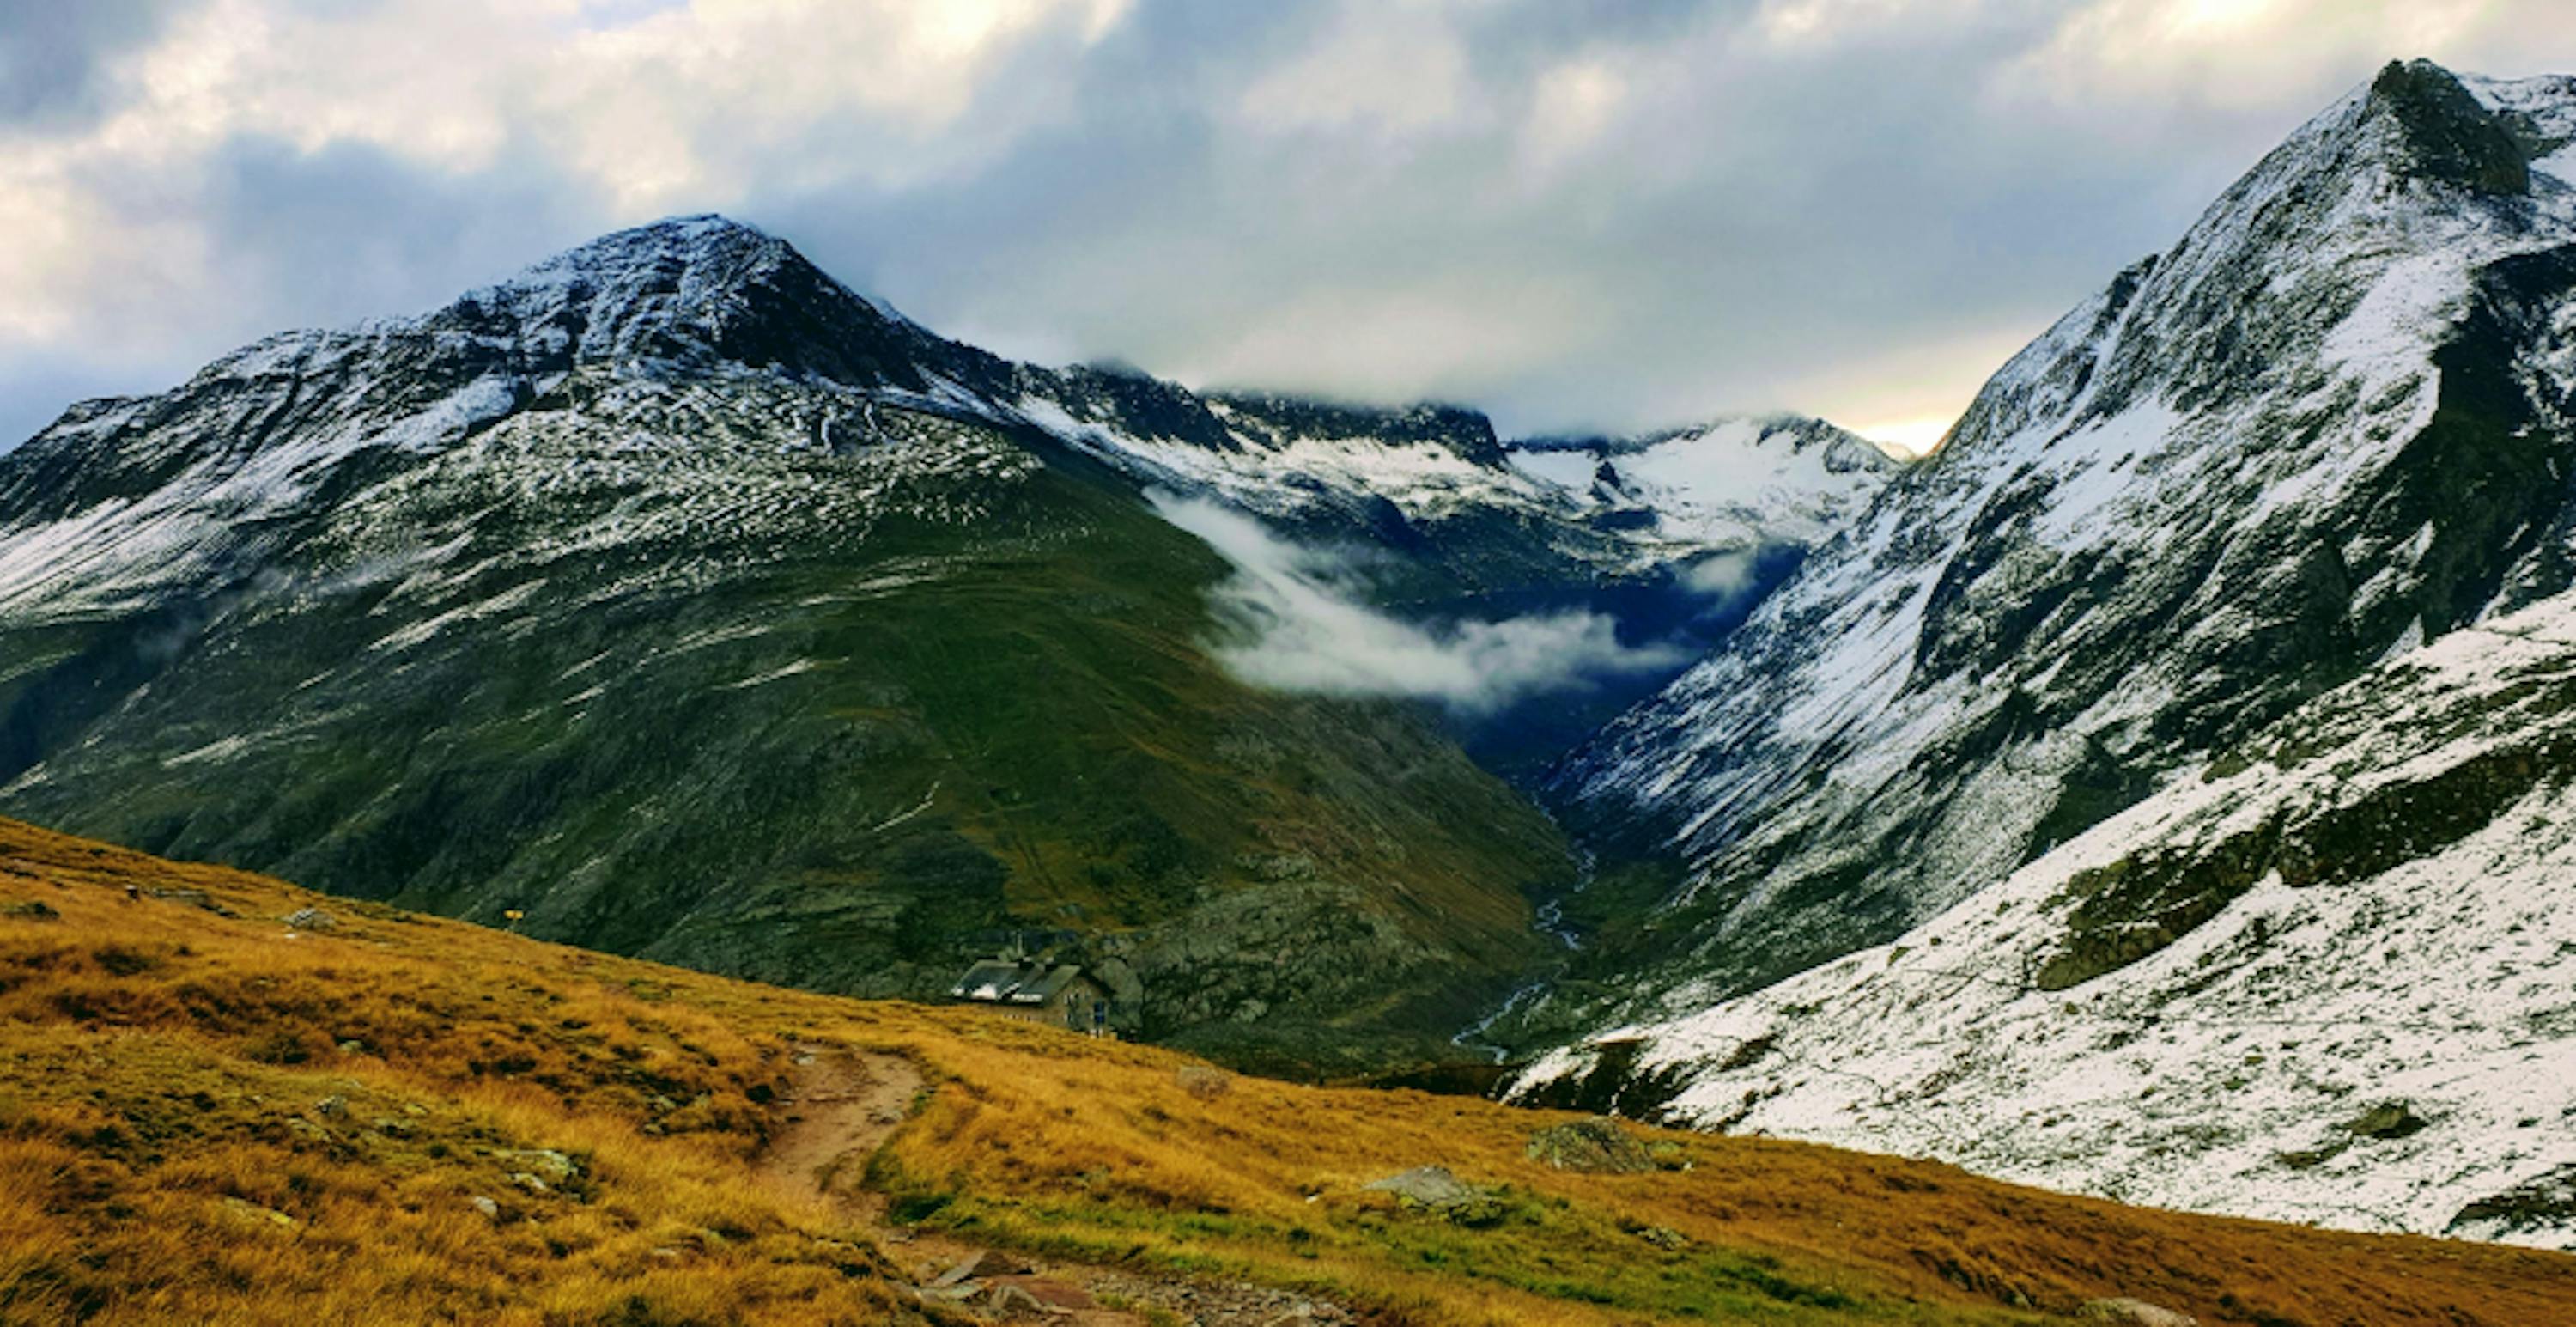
(166, 1156)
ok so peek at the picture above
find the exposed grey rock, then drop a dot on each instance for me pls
(2543, 1204)
(983, 1265)
(2133, 1313)
(555, 1168)
(312, 919)
(1595, 1146)
(1434, 1189)
(2386, 1120)
(1430, 1186)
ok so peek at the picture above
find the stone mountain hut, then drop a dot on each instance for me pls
(1059, 995)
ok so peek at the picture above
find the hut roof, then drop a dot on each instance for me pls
(1001, 981)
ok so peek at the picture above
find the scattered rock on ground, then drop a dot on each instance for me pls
(553, 1167)
(2388, 1119)
(491, 1210)
(1205, 1082)
(988, 1263)
(2535, 1204)
(1597, 1146)
(1434, 1189)
(1004, 1300)
(195, 898)
(245, 1212)
(2134, 1313)
(31, 910)
(1051, 1294)
(1223, 1303)
(332, 1107)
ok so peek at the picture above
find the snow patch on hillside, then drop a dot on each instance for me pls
(2237, 1069)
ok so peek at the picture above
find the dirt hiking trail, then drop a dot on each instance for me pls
(842, 1105)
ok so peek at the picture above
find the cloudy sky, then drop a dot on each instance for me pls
(1604, 214)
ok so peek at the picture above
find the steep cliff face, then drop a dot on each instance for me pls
(2327, 426)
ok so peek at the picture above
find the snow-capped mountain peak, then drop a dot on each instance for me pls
(2327, 427)
(1735, 481)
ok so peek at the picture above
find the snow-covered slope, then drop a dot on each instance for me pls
(1730, 483)
(124, 496)
(2331, 978)
(2326, 426)
(2161, 791)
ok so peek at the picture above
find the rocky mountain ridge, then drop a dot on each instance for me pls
(2324, 427)
(1737, 482)
(2155, 793)
(691, 604)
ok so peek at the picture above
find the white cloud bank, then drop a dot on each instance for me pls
(1579, 216)
(1296, 626)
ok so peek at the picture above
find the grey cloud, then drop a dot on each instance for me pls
(54, 52)
(350, 232)
(1801, 215)
(327, 238)
(35, 388)
(1858, 220)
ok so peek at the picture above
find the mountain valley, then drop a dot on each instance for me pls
(2161, 792)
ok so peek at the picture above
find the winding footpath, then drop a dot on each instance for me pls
(843, 1105)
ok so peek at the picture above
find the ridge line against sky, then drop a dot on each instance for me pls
(1575, 215)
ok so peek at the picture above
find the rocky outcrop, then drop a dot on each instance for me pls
(1597, 1146)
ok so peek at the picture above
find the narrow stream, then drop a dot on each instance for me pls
(1549, 921)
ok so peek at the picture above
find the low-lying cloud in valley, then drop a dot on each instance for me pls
(1297, 624)
(1724, 575)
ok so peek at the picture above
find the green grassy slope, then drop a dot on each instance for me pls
(793, 736)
